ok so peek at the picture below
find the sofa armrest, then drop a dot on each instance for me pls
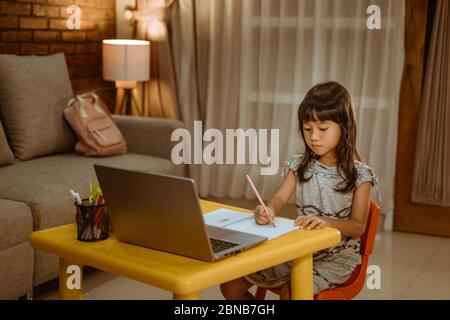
(150, 136)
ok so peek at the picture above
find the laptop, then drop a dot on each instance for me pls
(163, 212)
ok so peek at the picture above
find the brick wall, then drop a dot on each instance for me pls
(39, 27)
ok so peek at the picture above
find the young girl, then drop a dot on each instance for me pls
(332, 187)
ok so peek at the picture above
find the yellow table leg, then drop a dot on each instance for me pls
(70, 280)
(302, 278)
(189, 296)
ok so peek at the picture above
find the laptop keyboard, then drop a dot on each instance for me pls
(220, 245)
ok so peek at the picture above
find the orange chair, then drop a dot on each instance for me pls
(355, 283)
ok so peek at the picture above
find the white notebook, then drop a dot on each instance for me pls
(244, 222)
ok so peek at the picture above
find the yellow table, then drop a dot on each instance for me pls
(183, 276)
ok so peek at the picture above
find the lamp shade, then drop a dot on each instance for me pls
(127, 60)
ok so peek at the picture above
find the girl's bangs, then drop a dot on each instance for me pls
(319, 113)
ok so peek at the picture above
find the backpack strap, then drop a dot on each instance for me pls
(94, 96)
(83, 113)
(71, 101)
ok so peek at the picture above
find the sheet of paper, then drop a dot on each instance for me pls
(223, 217)
(240, 221)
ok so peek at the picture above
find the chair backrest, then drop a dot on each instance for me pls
(352, 287)
(368, 237)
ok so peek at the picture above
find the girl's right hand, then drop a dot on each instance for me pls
(261, 216)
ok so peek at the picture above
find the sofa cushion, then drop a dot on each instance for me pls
(6, 155)
(16, 223)
(16, 255)
(44, 183)
(16, 271)
(34, 90)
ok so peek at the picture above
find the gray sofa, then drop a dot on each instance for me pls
(38, 166)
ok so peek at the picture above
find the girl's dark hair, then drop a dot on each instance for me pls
(331, 101)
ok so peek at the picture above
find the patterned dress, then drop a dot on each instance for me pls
(332, 266)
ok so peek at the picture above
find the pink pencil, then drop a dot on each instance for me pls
(259, 198)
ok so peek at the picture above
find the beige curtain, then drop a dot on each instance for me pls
(159, 94)
(431, 181)
(190, 21)
(248, 64)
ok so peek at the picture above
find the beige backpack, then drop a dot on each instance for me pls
(97, 133)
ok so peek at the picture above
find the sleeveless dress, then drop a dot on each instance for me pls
(332, 266)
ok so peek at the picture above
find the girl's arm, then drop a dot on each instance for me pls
(355, 226)
(284, 192)
(279, 199)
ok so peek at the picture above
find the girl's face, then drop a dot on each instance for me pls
(322, 136)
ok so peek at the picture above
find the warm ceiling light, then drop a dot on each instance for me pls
(156, 30)
(128, 14)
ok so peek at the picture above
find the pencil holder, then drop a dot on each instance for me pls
(92, 221)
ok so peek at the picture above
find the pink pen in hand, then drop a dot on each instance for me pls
(260, 200)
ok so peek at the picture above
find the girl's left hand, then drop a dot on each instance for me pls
(310, 222)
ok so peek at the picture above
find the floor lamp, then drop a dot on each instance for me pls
(126, 62)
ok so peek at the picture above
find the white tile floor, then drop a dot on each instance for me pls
(412, 267)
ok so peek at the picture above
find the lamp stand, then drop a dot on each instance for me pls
(127, 94)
